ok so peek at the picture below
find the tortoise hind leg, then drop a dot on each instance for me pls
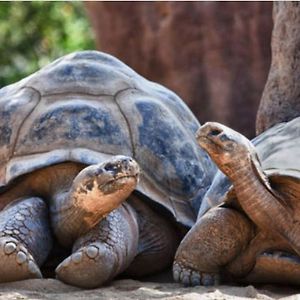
(25, 239)
(158, 241)
(215, 240)
(104, 252)
(281, 268)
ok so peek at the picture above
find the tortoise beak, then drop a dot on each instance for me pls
(203, 131)
(206, 132)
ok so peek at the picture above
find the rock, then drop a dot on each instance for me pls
(281, 97)
(216, 56)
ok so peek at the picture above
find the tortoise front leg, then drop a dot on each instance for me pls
(214, 241)
(104, 252)
(25, 239)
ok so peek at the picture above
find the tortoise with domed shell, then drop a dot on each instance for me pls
(248, 226)
(74, 139)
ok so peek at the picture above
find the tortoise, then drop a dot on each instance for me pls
(248, 225)
(77, 139)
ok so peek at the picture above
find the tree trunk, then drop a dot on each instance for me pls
(215, 56)
(281, 97)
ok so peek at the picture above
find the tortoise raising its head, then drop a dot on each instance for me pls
(247, 228)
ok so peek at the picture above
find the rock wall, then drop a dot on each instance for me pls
(281, 97)
(215, 55)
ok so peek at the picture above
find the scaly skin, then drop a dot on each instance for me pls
(25, 239)
(213, 241)
(274, 224)
(95, 192)
(236, 157)
(106, 241)
(78, 196)
(132, 238)
(104, 252)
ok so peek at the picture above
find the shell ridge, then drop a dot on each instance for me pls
(75, 93)
(23, 121)
(126, 119)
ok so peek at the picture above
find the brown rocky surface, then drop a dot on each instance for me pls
(281, 97)
(216, 56)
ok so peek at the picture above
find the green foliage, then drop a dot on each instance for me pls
(33, 34)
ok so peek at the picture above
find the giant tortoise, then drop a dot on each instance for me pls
(249, 224)
(74, 138)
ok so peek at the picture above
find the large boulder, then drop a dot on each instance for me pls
(281, 97)
(216, 56)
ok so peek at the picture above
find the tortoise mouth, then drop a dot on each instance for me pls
(209, 144)
(118, 183)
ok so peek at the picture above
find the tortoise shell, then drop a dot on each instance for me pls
(278, 150)
(88, 106)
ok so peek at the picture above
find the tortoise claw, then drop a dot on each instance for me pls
(16, 263)
(189, 277)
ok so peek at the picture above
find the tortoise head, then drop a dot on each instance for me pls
(227, 148)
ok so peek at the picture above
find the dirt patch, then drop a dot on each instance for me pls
(126, 289)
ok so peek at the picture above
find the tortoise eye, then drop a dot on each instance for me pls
(215, 132)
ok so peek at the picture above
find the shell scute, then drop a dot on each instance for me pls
(79, 123)
(5, 129)
(79, 76)
(15, 107)
(166, 144)
(75, 122)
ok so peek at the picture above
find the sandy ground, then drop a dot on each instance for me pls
(132, 289)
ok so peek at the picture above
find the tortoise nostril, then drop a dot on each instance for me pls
(224, 138)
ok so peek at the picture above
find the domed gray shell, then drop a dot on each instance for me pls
(278, 150)
(88, 106)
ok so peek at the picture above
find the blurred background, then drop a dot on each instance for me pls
(214, 55)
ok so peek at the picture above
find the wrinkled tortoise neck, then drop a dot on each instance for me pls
(263, 205)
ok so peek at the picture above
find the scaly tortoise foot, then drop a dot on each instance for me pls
(16, 263)
(189, 277)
